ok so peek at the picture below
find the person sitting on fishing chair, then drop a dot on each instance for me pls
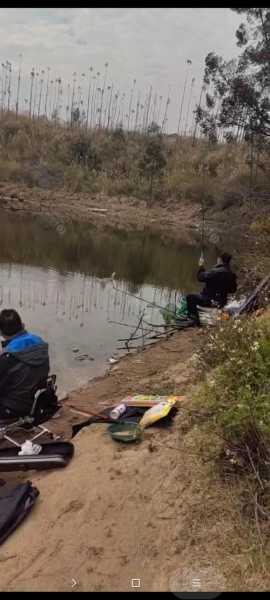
(24, 366)
(219, 282)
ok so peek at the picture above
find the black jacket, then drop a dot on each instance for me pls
(24, 366)
(219, 282)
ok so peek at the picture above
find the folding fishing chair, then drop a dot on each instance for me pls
(45, 406)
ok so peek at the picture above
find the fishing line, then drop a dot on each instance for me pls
(139, 297)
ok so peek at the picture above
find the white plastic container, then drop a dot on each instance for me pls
(209, 316)
(118, 411)
(28, 449)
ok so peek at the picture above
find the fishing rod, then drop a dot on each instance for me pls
(153, 335)
(203, 209)
(132, 325)
(202, 234)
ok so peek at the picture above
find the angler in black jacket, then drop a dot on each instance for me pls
(24, 366)
(219, 282)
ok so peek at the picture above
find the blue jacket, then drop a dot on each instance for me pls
(24, 365)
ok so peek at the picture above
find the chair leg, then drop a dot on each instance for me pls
(43, 430)
(6, 437)
(11, 427)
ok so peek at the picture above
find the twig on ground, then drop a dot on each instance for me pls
(135, 330)
(256, 473)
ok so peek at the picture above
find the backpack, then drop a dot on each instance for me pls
(182, 309)
(16, 501)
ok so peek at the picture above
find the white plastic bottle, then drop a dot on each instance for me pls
(118, 411)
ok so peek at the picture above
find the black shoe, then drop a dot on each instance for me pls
(195, 320)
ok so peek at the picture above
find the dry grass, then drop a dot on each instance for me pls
(40, 153)
(222, 535)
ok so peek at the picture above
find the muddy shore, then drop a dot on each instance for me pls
(101, 211)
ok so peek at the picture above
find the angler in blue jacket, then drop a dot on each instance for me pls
(24, 366)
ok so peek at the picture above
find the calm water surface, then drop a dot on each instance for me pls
(58, 278)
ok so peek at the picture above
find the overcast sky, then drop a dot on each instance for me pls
(150, 45)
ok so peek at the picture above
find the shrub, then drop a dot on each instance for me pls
(85, 154)
(12, 170)
(153, 162)
(80, 179)
(261, 226)
(238, 391)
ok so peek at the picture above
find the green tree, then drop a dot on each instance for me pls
(241, 86)
(119, 134)
(75, 116)
(153, 129)
(153, 162)
(84, 153)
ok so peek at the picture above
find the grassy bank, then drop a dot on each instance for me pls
(42, 154)
(228, 422)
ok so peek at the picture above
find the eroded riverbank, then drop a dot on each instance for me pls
(177, 220)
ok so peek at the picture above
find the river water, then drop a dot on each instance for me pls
(58, 278)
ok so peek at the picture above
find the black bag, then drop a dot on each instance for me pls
(16, 501)
(46, 407)
(53, 455)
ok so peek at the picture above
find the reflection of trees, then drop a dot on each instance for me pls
(138, 265)
(70, 297)
(139, 259)
(133, 288)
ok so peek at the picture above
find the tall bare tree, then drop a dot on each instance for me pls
(189, 103)
(32, 76)
(110, 106)
(159, 108)
(40, 91)
(166, 112)
(47, 91)
(9, 83)
(88, 96)
(203, 90)
(188, 63)
(102, 93)
(19, 85)
(130, 103)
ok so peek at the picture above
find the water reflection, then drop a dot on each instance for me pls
(136, 258)
(60, 283)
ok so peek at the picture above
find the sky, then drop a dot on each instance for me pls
(149, 45)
